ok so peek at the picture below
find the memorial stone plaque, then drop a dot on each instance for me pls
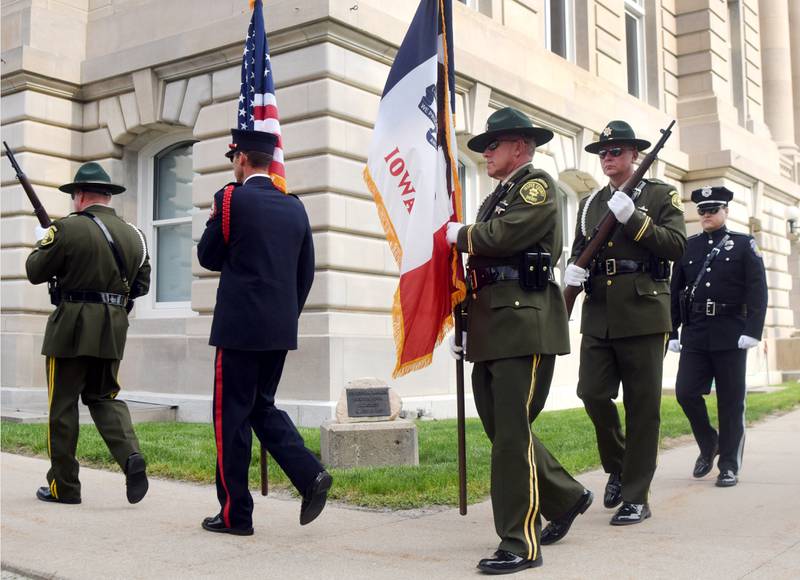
(371, 402)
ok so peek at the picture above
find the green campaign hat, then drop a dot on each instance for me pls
(92, 177)
(617, 133)
(509, 121)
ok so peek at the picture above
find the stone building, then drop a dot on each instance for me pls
(148, 88)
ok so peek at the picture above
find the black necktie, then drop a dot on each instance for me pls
(490, 203)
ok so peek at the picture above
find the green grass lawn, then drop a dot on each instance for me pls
(186, 451)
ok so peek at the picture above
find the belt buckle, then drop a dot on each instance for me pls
(711, 308)
(611, 267)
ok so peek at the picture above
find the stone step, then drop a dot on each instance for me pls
(140, 413)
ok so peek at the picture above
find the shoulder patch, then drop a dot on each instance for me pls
(675, 197)
(213, 211)
(534, 192)
(49, 236)
(754, 247)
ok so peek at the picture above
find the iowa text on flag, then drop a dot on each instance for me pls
(258, 109)
(412, 173)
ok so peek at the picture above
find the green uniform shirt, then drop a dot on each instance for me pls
(75, 252)
(632, 304)
(503, 319)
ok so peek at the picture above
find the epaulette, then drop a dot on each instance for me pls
(293, 195)
(654, 180)
(695, 236)
(735, 233)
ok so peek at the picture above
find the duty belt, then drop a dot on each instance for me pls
(612, 267)
(95, 297)
(480, 277)
(710, 308)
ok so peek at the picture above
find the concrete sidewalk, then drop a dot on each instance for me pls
(697, 530)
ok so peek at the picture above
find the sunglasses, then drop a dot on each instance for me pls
(615, 152)
(496, 143)
(708, 210)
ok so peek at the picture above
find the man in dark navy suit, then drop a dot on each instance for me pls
(260, 240)
(719, 297)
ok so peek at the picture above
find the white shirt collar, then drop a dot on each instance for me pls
(517, 171)
(256, 175)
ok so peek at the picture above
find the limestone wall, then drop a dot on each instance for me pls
(151, 73)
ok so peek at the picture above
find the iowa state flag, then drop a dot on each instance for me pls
(412, 173)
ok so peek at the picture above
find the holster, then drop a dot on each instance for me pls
(535, 270)
(55, 291)
(659, 269)
(685, 305)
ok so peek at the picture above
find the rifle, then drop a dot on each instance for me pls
(606, 229)
(38, 208)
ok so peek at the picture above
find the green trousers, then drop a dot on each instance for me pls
(638, 362)
(527, 481)
(94, 381)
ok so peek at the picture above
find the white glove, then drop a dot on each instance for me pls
(39, 232)
(621, 205)
(452, 231)
(575, 275)
(746, 342)
(457, 351)
(674, 345)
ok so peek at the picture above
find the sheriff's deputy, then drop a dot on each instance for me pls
(517, 324)
(626, 320)
(719, 301)
(97, 264)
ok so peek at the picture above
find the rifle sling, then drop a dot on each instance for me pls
(111, 244)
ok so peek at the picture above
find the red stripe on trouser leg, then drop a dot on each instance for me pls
(226, 510)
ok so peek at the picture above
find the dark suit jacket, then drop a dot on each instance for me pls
(267, 267)
(736, 276)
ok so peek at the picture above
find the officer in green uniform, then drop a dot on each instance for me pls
(517, 324)
(96, 264)
(626, 317)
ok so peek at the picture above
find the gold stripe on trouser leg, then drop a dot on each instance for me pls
(51, 365)
(533, 505)
(51, 386)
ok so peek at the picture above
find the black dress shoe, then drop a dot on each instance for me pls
(727, 478)
(702, 466)
(631, 513)
(314, 499)
(613, 495)
(504, 562)
(135, 478)
(704, 463)
(557, 529)
(217, 524)
(43, 493)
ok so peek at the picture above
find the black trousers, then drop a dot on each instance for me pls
(696, 370)
(244, 399)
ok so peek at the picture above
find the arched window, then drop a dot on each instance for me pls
(172, 224)
(166, 171)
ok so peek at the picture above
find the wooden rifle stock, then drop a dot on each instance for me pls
(605, 230)
(38, 208)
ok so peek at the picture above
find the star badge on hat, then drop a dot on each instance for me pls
(607, 131)
(706, 192)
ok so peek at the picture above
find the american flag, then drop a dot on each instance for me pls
(258, 109)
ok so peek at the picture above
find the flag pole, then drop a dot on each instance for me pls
(460, 411)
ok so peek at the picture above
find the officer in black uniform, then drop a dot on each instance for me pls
(260, 240)
(719, 297)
